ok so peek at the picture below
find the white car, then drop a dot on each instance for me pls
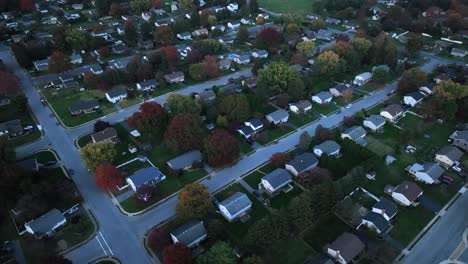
(349, 106)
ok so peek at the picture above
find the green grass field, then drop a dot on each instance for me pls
(292, 6)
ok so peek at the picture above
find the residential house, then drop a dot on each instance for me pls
(324, 35)
(83, 106)
(345, 249)
(233, 25)
(375, 222)
(147, 85)
(242, 59)
(4, 100)
(190, 234)
(41, 65)
(120, 49)
(350, 25)
(222, 28)
(262, 54)
(183, 49)
(385, 208)
(163, 22)
(448, 155)
(184, 36)
(374, 122)
(174, 77)
(116, 94)
(329, 147)
(250, 128)
(406, 193)
(235, 206)
(429, 172)
(146, 16)
(147, 44)
(428, 88)
(301, 107)
(332, 21)
(150, 176)
(71, 16)
(442, 77)
(245, 21)
(225, 64)
(302, 163)
(230, 88)
(356, 134)
(339, 89)
(96, 69)
(206, 97)
(392, 112)
(185, 161)
(233, 7)
(76, 59)
(108, 135)
(250, 83)
(275, 180)
(413, 98)
(460, 139)
(458, 53)
(362, 78)
(46, 224)
(322, 98)
(278, 117)
(11, 128)
(382, 67)
(200, 32)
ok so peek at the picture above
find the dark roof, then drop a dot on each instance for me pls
(388, 207)
(148, 83)
(328, 146)
(145, 175)
(12, 126)
(46, 222)
(303, 162)
(255, 122)
(107, 133)
(377, 120)
(117, 92)
(83, 105)
(236, 203)
(355, 132)
(246, 130)
(393, 109)
(349, 246)
(416, 95)
(408, 189)
(278, 178)
(207, 96)
(185, 160)
(460, 135)
(452, 152)
(189, 232)
(324, 95)
(378, 220)
(340, 87)
(174, 75)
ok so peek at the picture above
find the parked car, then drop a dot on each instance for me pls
(349, 106)
(446, 179)
(72, 210)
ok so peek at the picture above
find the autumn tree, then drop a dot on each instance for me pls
(193, 56)
(59, 62)
(323, 133)
(384, 51)
(107, 176)
(171, 54)
(116, 10)
(177, 254)
(139, 6)
(177, 104)
(279, 159)
(102, 7)
(328, 61)
(104, 52)
(415, 77)
(269, 38)
(362, 46)
(380, 75)
(314, 177)
(306, 46)
(235, 106)
(264, 232)
(97, 153)
(194, 201)
(450, 91)
(27, 5)
(211, 66)
(197, 71)
(186, 4)
(164, 35)
(151, 120)
(298, 58)
(77, 39)
(276, 77)
(348, 96)
(185, 132)
(157, 4)
(219, 253)
(300, 211)
(159, 239)
(9, 84)
(221, 148)
(7, 152)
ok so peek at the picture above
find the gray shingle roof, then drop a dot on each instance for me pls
(149, 83)
(83, 105)
(460, 135)
(377, 120)
(303, 162)
(355, 132)
(378, 220)
(278, 178)
(278, 115)
(190, 232)
(328, 146)
(46, 222)
(416, 96)
(185, 160)
(236, 203)
(324, 95)
(388, 207)
(409, 189)
(452, 152)
(146, 175)
(116, 92)
(349, 246)
(393, 109)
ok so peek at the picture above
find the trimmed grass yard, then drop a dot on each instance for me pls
(327, 229)
(253, 179)
(301, 119)
(377, 147)
(11, 112)
(325, 109)
(290, 251)
(282, 199)
(292, 6)
(275, 133)
(409, 222)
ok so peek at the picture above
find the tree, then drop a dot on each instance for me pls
(193, 56)
(415, 77)
(185, 132)
(296, 89)
(102, 7)
(107, 176)
(348, 96)
(450, 91)
(131, 34)
(90, 80)
(219, 253)
(277, 77)
(318, 24)
(314, 177)
(194, 201)
(380, 75)
(27, 5)
(100, 126)
(7, 151)
(235, 106)
(211, 66)
(414, 43)
(104, 52)
(384, 51)
(9, 84)
(59, 62)
(298, 58)
(269, 38)
(292, 29)
(151, 120)
(221, 148)
(279, 159)
(54, 260)
(322, 134)
(116, 10)
(171, 54)
(300, 212)
(139, 6)
(242, 35)
(177, 103)
(177, 254)
(164, 35)
(21, 54)
(59, 37)
(254, 259)
(97, 153)
(197, 71)
(306, 46)
(304, 141)
(22, 103)
(328, 61)
(266, 231)
(77, 39)
(362, 46)
(454, 21)
(253, 5)
(157, 4)
(158, 239)
(186, 4)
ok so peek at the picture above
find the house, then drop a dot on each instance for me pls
(163, 22)
(428, 88)
(11, 128)
(147, 85)
(230, 88)
(233, 7)
(322, 98)
(300, 107)
(245, 21)
(324, 35)
(183, 49)
(262, 54)
(96, 69)
(275, 180)
(392, 112)
(185, 161)
(29, 164)
(356, 134)
(116, 94)
(146, 16)
(120, 49)
(222, 28)
(107, 135)
(460, 139)
(184, 36)
(233, 25)
(225, 64)
(375, 222)
(242, 59)
(442, 77)
(150, 175)
(250, 83)
(278, 117)
(41, 65)
(190, 234)
(174, 77)
(4, 100)
(206, 97)
(339, 89)
(302, 163)
(382, 67)
(350, 25)
(235, 206)
(413, 98)
(429, 172)
(362, 78)
(83, 106)
(329, 147)
(374, 122)
(458, 53)
(250, 127)
(448, 155)
(385, 208)
(46, 224)
(200, 32)
(332, 21)
(76, 59)
(345, 249)
(406, 193)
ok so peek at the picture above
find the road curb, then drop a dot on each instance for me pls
(91, 236)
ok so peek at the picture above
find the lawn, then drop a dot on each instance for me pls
(74, 233)
(377, 147)
(254, 178)
(325, 109)
(42, 156)
(327, 229)
(11, 112)
(82, 141)
(26, 138)
(300, 120)
(275, 133)
(245, 147)
(282, 199)
(341, 102)
(409, 222)
(375, 110)
(290, 251)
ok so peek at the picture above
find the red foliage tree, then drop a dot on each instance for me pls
(98, 28)
(157, 4)
(9, 84)
(115, 9)
(91, 80)
(185, 132)
(27, 5)
(158, 239)
(341, 47)
(211, 66)
(104, 52)
(151, 120)
(177, 254)
(172, 56)
(269, 38)
(323, 133)
(221, 148)
(360, 33)
(59, 62)
(404, 87)
(107, 176)
(279, 159)
(193, 56)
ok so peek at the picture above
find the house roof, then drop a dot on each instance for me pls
(364, 75)
(378, 220)
(328, 146)
(185, 160)
(432, 169)
(355, 132)
(148, 83)
(377, 120)
(145, 175)
(452, 152)
(393, 109)
(83, 105)
(174, 75)
(117, 92)
(12, 126)
(460, 135)
(46, 222)
(388, 207)
(278, 115)
(303, 162)
(409, 189)
(189, 232)
(255, 122)
(443, 77)
(459, 51)
(185, 34)
(107, 133)
(348, 245)
(261, 52)
(303, 104)
(416, 96)
(236, 203)
(340, 87)
(382, 66)
(246, 130)
(206, 96)
(324, 95)
(278, 178)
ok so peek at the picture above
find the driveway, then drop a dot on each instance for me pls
(429, 204)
